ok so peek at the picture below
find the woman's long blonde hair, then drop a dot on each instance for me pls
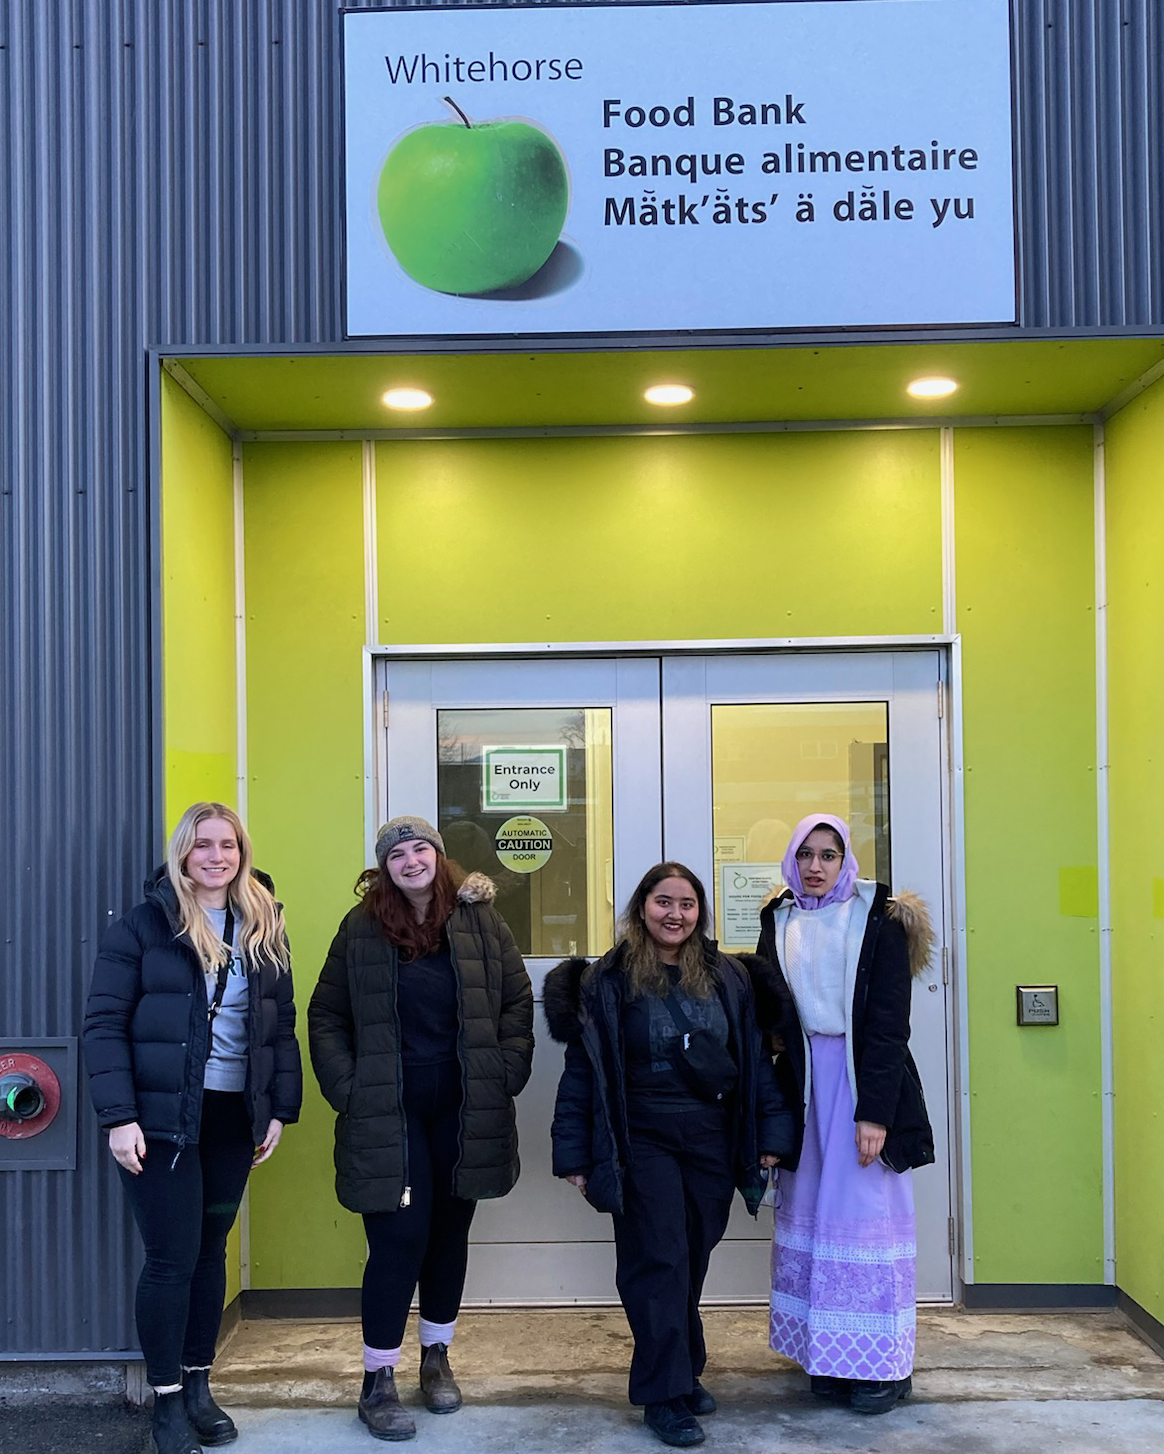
(645, 975)
(260, 932)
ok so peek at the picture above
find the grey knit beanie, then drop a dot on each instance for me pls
(399, 830)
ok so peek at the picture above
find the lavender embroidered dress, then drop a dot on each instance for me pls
(843, 1255)
(844, 1248)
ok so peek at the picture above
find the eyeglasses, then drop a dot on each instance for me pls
(827, 856)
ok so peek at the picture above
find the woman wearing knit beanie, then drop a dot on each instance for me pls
(421, 1033)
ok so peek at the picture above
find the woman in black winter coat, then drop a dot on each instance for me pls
(667, 1104)
(421, 1031)
(194, 1071)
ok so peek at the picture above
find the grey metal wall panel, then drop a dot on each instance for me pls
(169, 174)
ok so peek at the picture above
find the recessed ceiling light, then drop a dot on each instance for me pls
(669, 394)
(931, 388)
(407, 399)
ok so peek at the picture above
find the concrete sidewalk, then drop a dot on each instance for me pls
(554, 1382)
(565, 1427)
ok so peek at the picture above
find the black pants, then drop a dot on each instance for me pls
(184, 1210)
(425, 1244)
(677, 1195)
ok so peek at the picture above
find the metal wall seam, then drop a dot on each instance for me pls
(1103, 858)
(170, 175)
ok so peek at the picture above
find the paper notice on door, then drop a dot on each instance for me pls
(743, 887)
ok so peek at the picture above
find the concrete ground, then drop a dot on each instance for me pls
(551, 1381)
(554, 1382)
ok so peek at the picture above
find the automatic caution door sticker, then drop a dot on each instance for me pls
(523, 844)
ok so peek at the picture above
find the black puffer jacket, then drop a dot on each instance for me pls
(896, 946)
(146, 1027)
(583, 1006)
(354, 1033)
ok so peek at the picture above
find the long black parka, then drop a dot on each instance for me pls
(354, 1034)
(896, 946)
(147, 1027)
(583, 1006)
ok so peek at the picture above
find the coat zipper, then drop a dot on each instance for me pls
(406, 1194)
(461, 1053)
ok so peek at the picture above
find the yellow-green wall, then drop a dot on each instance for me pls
(1025, 586)
(1135, 535)
(199, 697)
(832, 534)
(698, 537)
(198, 652)
(305, 776)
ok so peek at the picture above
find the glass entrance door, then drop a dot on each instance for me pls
(565, 779)
(751, 744)
(547, 776)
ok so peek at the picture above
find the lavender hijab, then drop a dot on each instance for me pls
(845, 885)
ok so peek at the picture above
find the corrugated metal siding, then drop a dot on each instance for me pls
(1089, 110)
(169, 174)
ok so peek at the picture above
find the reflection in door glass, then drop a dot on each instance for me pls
(525, 795)
(772, 763)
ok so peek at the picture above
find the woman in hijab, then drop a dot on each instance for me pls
(843, 1261)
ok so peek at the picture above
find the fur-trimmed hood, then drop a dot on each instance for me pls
(478, 888)
(562, 994)
(909, 909)
(562, 999)
(912, 913)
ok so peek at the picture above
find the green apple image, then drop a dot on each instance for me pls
(468, 207)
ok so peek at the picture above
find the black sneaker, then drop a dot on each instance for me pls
(674, 1423)
(699, 1401)
(878, 1398)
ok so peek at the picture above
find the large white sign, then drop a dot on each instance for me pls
(662, 167)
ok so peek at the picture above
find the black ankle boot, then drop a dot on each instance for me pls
(879, 1398)
(835, 1390)
(441, 1394)
(210, 1423)
(170, 1427)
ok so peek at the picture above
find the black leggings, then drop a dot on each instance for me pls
(184, 1210)
(426, 1242)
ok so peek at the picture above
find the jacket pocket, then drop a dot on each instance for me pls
(910, 1140)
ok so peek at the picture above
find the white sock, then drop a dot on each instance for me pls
(377, 1358)
(431, 1333)
(168, 1388)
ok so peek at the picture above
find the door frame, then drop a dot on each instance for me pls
(952, 808)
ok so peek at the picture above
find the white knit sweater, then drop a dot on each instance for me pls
(816, 948)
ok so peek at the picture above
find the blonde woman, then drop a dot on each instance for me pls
(194, 1071)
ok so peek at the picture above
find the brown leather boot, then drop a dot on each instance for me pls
(441, 1394)
(381, 1410)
